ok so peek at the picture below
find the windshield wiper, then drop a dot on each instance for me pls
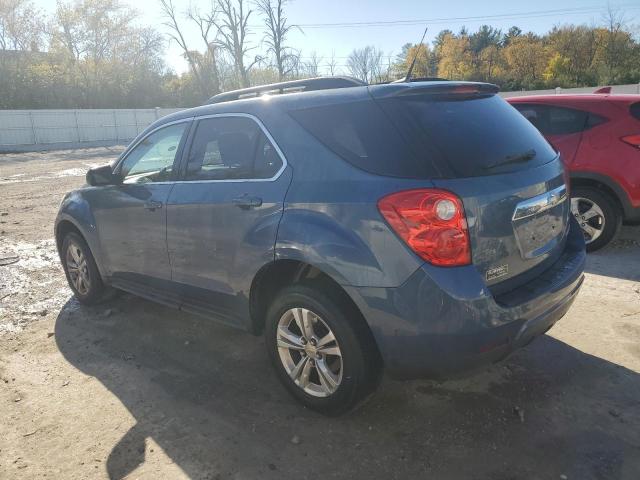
(518, 158)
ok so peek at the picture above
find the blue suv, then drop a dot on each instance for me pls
(421, 228)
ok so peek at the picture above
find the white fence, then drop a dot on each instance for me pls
(24, 130)
(45, 129)
(633, 88)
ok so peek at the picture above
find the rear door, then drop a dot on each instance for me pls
(224, 213)
(561, 126)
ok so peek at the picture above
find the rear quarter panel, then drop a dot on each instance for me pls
(331, 219)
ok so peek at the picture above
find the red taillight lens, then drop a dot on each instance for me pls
(432, 222)
(633, 140)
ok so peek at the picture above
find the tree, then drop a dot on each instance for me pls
(208, 32)
(175, 33)
(615, 49)
(233, 32)
(512, 33)
(21, 26)
(422, 65)
(365, 63)
(578, 45)
(276, 34)
(312, 65)
(455, 57)
(332, 63)
(525, 61)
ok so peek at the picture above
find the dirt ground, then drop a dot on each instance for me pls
(133, 389)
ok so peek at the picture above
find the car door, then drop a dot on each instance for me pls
(561, 126)
(222, 217)
(131, 216)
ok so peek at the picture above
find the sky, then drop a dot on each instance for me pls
(408, 19)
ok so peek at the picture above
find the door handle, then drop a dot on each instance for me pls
(153, 205)
(245, 201)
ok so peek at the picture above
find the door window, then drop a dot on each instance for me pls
(552, 120)
(231, 148)
(153, 158)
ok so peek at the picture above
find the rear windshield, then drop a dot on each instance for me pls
(429, 136)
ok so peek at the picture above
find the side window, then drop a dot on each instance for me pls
(535, 115)
(563, 121)
(558, 120)
(231, 148)
(152, 159)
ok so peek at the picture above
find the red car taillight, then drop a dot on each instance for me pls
(633, 140)
(432, 222)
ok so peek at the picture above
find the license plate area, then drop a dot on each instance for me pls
(540, 222)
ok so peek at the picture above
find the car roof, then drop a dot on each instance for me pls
(304, 99)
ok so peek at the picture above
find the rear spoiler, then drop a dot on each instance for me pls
(433, 88)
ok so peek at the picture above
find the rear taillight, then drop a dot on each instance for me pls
(633, 140)
(431, 222)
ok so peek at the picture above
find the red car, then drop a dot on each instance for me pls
(598, 137)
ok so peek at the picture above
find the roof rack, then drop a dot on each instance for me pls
(293, 86)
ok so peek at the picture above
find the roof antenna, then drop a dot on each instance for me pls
(407, 77)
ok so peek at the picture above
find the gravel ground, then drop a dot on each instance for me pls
(132, 389)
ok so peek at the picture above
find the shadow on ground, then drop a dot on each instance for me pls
(206, 394)
(615, 260)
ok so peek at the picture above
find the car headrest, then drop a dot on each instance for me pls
(236, 148)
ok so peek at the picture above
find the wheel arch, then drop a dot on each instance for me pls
(66, 224)
(63, 228)
(279, 274)
(605, 185)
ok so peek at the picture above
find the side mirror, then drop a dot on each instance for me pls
(103, 175)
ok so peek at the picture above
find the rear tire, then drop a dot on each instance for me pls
(333, 377)
(597, 214)
(82, 272)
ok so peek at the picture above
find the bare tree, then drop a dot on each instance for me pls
(171, 22)
(332, 64)
(275, 36)
(616, 42)
(233, 31)
(312, 65)
(365, 63)
(208, 32)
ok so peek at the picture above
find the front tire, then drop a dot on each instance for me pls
(597, 214)
(81, 271)
(323, 355)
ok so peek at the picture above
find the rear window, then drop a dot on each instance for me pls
(363, 135)
(634, 110)
(429, 136)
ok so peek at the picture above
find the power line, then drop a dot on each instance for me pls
(430, 21)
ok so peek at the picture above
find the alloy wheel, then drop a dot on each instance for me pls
(78, 269)
(309, 352)
(590, 217)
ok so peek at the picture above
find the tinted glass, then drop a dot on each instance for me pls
(635, 110)
(428, 136)
(363, 135)
(551, 120)
(227, 148)
(152, 159)
(467, 136)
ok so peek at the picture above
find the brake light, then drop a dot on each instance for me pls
(431, 222)
(633, 140)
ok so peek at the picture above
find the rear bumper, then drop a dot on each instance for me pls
(444, 321)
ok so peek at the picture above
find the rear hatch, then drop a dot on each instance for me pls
(509, 178)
